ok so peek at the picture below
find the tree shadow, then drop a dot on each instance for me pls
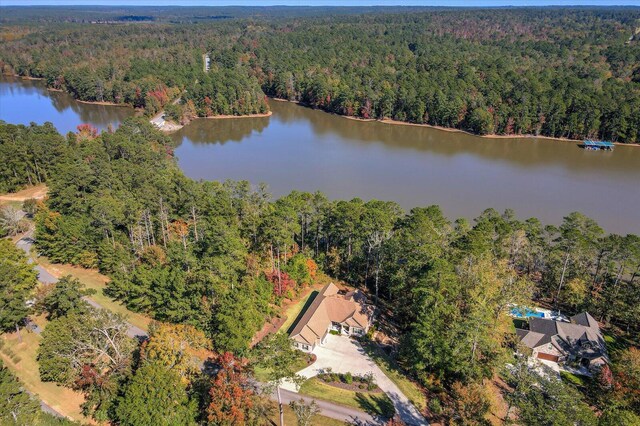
(376, 405)
(309, 301)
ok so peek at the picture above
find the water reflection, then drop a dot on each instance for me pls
(26, 101)
(221, 131)
(305, 149)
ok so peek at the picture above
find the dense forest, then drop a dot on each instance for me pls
(568, 72)
(215, 259)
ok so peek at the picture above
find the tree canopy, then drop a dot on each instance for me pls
(559, 72)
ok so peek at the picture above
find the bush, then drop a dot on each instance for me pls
(348, 378)
(30, 206)
(370, 332)
(435, 406)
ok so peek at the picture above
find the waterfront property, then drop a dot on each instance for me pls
(333, 310)
(577, 342)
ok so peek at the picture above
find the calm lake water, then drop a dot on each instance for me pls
(304, 149)
(26, 101)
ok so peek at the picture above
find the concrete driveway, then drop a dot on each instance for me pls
(344, 355)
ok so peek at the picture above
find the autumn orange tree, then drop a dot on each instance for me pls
(628, 377)
(231, 397)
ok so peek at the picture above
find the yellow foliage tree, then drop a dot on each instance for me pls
(177, 346)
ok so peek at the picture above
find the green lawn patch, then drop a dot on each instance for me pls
(372, 403)
(619, 342)
(290, 418)
(295, 312)
(393, 371)
(262, 374)
(574, 379)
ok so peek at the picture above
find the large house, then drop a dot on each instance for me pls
(577, 342)
(332, 309)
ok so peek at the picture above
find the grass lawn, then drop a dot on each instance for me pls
(391, 369)
(372, 403)
(574, 379)
(290, 418)
(262, 374)
(95, 280)
(617, 342)
(295, 311)
(20, 358)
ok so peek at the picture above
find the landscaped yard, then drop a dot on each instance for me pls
(390, 368)
(372, 403)
(95, 280)
(262, 374)
(290, 418)
(21, 359)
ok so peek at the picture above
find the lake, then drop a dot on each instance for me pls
(309, 150)
(26, 101)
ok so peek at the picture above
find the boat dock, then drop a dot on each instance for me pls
(598, 145)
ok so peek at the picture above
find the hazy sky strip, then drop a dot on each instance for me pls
(468, 3)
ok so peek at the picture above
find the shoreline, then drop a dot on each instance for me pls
(103, 103)
(175, 128)
(445, 129)
(171, 127)
(227, 116)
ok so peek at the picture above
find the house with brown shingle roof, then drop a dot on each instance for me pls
(343, 312)
(579, 341)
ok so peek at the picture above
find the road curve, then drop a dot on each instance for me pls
(334, 411)
(44, 276)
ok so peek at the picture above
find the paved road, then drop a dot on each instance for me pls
(25, 244)
(46, 277)
(334, 411)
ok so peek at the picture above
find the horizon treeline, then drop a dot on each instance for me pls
(558, 72)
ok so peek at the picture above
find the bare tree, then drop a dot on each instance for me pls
(13, 221)
(304, 412)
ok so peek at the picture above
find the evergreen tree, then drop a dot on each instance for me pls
(17, 280)
(156, 396)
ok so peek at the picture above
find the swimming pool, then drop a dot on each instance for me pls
(526, 313)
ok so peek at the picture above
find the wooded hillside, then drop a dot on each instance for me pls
(556, 72)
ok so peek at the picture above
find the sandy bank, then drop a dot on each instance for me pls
(221, 117)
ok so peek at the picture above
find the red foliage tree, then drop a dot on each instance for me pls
(230, 395)
(605, 377)
(87, 132)
(282, 282)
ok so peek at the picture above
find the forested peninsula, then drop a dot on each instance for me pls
(564, 73)
(213, 261)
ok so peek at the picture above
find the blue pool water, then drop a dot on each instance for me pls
(526, 313)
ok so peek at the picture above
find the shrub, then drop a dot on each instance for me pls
(348, 378)
(435, 406)
(30, 206)
(370, 332)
